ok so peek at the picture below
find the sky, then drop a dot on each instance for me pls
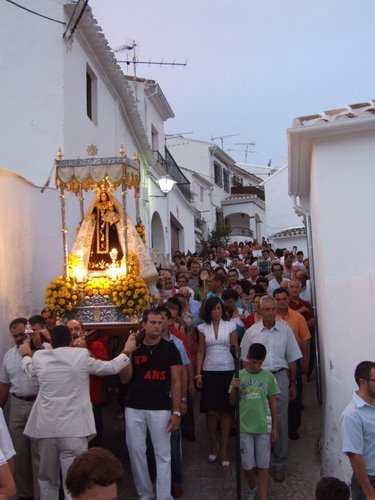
(252, 65)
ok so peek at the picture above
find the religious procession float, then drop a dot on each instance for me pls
(105, 277)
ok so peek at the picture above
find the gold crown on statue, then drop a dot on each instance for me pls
(105, 185)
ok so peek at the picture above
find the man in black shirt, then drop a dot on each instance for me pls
(154, 378)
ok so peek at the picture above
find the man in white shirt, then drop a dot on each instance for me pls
(62, 419)
(282, 354)
(23, 391)
(278, 279)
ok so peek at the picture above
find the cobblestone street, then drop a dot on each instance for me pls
(212, 481)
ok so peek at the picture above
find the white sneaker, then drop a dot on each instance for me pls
(252, 494)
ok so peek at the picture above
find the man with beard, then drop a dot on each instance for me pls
(194, 270)
(357, 424)
(23, 391)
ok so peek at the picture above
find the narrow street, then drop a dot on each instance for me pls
(212, 481)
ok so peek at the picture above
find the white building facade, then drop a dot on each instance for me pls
(332, 177)
(221, 189)
(69, 92)
(285, 229)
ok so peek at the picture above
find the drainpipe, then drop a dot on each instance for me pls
(300, 211)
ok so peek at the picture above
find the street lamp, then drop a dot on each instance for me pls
(166, 184)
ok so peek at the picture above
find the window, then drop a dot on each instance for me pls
(237, 181)
(219, 216)
(226, 180)
(201, 192)
(218, 175)
(91, 95)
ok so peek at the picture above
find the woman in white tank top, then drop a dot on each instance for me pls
(215, 368)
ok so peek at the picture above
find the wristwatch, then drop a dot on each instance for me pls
(177, 413)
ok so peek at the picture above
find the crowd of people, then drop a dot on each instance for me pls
(243, 303)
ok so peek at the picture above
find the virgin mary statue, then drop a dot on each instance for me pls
(102, 230)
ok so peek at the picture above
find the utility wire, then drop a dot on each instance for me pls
(79, 18)
(71, 17)
(36, 13)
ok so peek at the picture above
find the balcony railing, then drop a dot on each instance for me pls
(248, 190)
(172, 169)
(241, 231)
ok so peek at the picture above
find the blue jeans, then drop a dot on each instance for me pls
(357, 493)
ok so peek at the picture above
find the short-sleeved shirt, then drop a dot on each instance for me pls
(180, 347)
(298, 324)
(274, 285)
(6, 446)
(11, 372)
(150, 386)
(211, 294)
(357, 426)
(218, 356)
(305, 293)
(309, 314)
(255, 389)
(280, 342)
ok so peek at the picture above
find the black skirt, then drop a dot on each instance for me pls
(214, 394)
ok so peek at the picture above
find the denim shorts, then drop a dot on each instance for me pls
(255, 450)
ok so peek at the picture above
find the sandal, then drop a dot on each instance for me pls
(213, 458)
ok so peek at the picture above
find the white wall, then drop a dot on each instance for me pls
(279, 206)
(342, 205)
(195, 156)
(149, 115)
(289, 242)
(31, 87)
(173, 204)
(79, 131)
(185, 216)
(252, 210)
(31, 249)
(43, 95)
(190, 154)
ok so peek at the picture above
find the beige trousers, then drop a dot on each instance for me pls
(26, 461)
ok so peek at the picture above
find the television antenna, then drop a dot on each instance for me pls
(134, 61)
(222, 137)
(179, 134)
(241, 151)
(247, 145)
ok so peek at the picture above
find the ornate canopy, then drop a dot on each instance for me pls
(97, 174)
(90, 173)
